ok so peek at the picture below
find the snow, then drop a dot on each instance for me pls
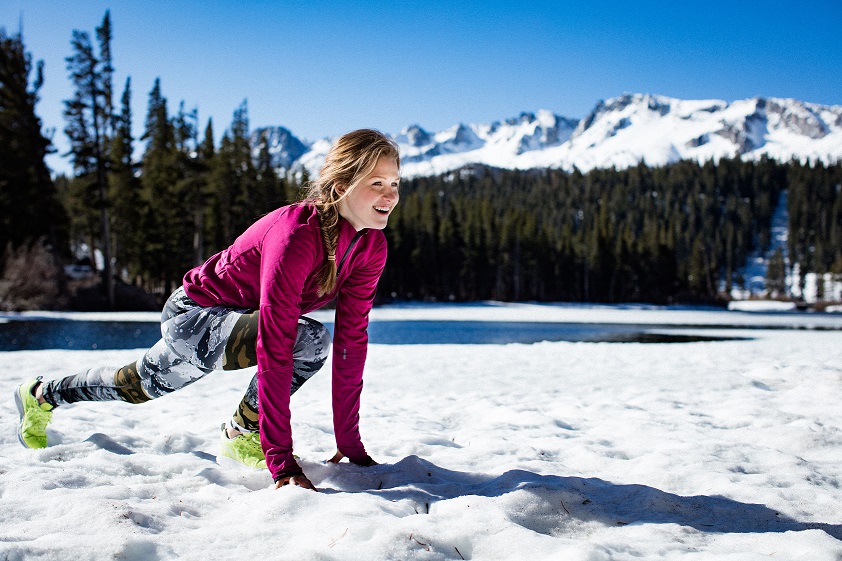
(757, 263)
(555, 450)
(629, 129)
(761, 306)
(620, 133)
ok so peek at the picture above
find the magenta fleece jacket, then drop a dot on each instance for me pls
(273, 267)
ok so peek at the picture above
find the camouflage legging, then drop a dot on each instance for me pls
(195, 341)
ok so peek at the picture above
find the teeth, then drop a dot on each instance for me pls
(382, 208)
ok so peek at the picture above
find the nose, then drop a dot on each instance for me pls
(391, 193)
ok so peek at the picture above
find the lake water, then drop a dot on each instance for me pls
(86, 335)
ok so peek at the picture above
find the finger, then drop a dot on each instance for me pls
(302, 481)
(299, 480)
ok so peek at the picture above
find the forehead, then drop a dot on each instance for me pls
(387, 168)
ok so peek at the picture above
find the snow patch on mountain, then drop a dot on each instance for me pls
(283, 146)
(620, 132)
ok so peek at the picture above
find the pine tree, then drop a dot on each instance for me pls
(89, 127)
(163, 222)
(233, 180)
(776, 275)
(206, 154)
(269, 188)
(24, 177)
(245, 206)
(124, 192)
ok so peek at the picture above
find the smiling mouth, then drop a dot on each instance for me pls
(383, 209)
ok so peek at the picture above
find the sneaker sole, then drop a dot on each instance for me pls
(19, 404)
(227, 462)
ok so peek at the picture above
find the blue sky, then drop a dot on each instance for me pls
(323, 68)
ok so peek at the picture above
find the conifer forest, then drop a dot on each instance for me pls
(678, 233)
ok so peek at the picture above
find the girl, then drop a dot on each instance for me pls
(245, 306)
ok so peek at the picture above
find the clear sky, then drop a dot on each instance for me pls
(321, 68)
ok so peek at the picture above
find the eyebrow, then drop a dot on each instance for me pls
(382, 177)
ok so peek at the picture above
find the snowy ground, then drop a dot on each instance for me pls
(592, 451)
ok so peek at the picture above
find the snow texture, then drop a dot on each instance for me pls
(580, 451)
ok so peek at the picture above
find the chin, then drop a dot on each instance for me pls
(379, 222)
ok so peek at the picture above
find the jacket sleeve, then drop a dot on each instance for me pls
(350, 346)
(286, 260)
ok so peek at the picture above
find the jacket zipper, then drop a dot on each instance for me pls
(348, 251)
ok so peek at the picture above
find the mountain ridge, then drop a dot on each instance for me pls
(619, 132)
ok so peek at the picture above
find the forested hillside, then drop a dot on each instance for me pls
(679, 232)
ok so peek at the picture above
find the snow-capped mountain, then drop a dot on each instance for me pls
(284, 147)
(620, 132)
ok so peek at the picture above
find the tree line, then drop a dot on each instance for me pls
(681, 232)
(675, 233)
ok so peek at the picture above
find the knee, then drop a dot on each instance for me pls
(129, 384)
(313, 343)
(325, 341)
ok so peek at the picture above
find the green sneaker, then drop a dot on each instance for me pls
(34, 417)
(245, 449)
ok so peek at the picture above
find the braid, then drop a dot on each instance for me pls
(329, 219)
(353, 156)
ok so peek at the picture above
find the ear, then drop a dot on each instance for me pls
(340, 188)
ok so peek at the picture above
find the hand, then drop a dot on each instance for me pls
(339, 455)
(300, 480)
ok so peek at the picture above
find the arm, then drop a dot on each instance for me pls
(286, 261)
(350, 346)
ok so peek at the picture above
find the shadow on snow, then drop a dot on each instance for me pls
(542, 503)
(552, 501)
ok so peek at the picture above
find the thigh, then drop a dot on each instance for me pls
(199, 335)
(309, 352)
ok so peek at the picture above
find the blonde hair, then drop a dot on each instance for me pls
(352, 157)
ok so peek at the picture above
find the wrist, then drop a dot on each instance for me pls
(286, 474)
(365, 461)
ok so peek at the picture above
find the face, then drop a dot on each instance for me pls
(372, 199)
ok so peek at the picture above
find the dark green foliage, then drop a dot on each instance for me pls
(815, 214)
(776, 274)
(232, 183)
(29, 205)
(125, 193)
(90, 128)
(640, 234)
(165, 223)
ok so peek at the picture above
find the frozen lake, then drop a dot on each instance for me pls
(40, 334)
(485, 323)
